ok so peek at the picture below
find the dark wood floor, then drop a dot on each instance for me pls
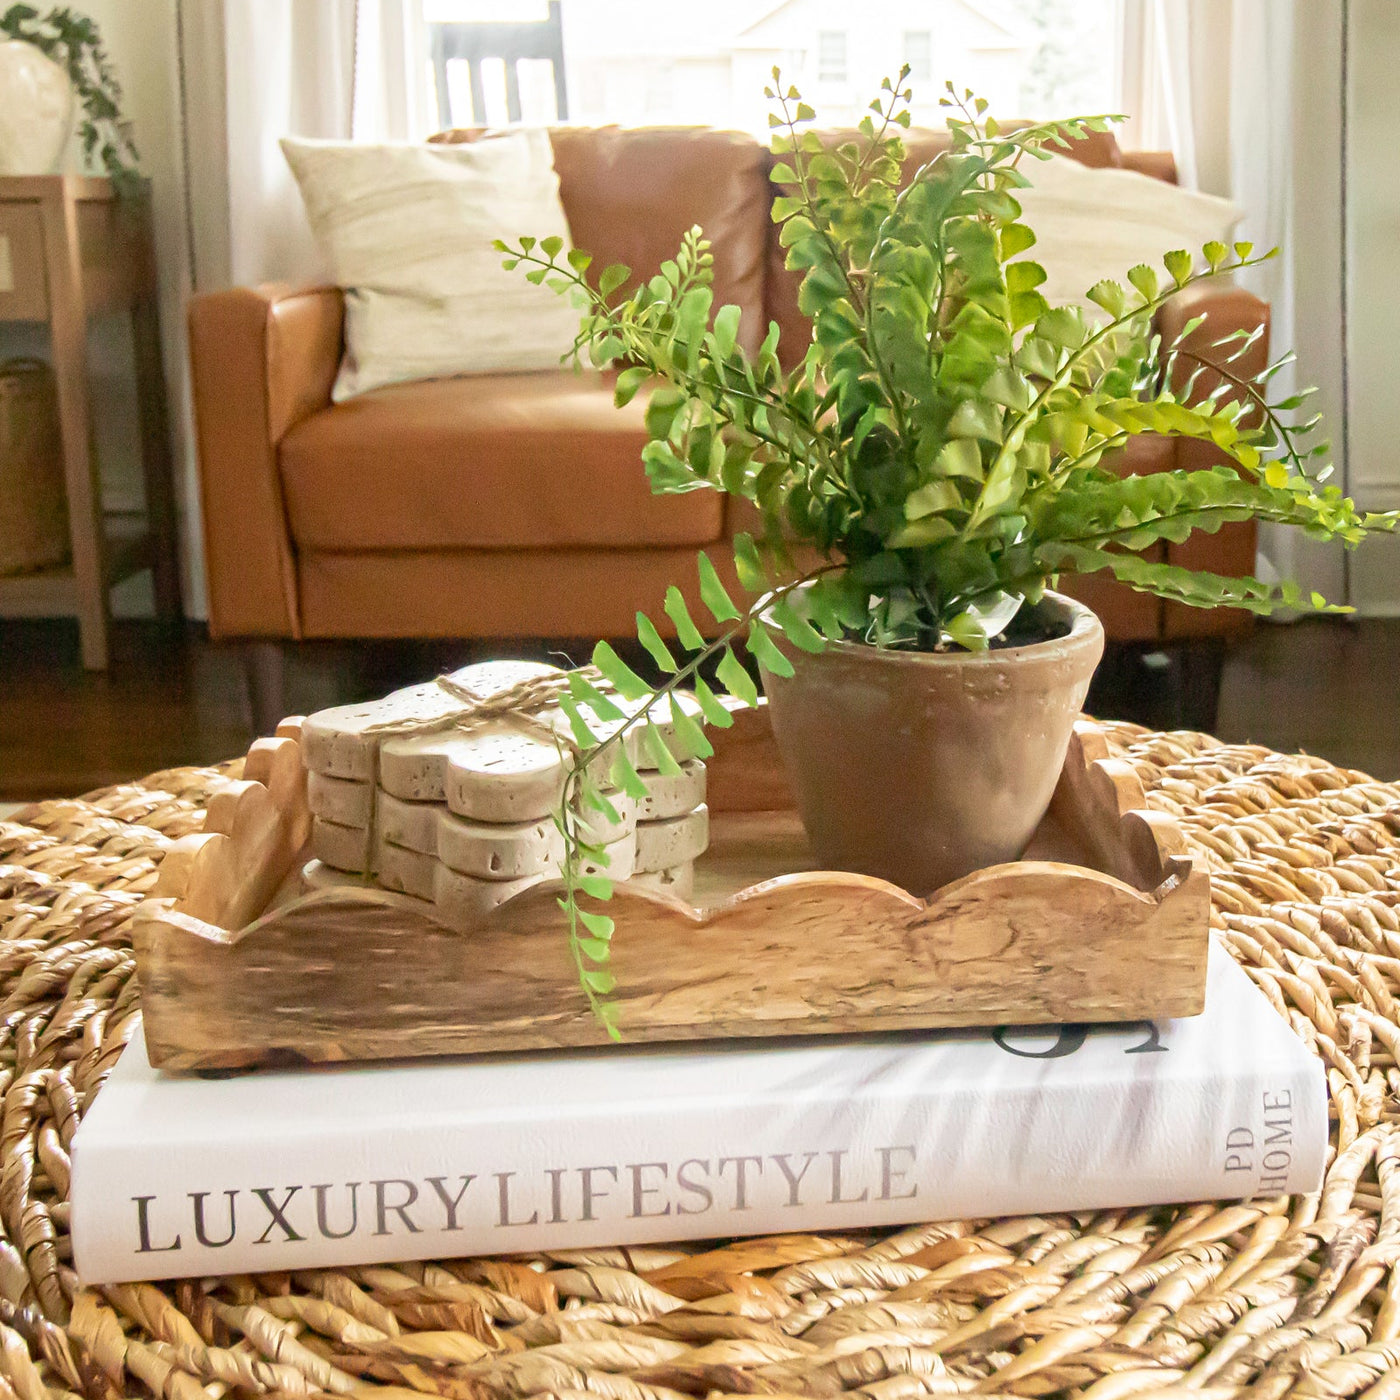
(1325, 686)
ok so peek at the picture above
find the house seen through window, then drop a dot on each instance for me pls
(831, 56)
(918, 55)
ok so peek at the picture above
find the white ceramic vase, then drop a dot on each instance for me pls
(36, 110)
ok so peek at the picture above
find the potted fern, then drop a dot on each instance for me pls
(937, 459)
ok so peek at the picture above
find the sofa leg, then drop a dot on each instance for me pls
(1196, 672)
(264, 666)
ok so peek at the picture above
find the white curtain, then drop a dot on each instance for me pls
(258, 70)
(393, 101)
(1248, 94)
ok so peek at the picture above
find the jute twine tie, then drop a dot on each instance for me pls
(522, 703)
(526, 705)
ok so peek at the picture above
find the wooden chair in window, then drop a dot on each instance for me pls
(470, 42)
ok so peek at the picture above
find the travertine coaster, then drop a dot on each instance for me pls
(677, 880)
(674, 795)
(346, 801)
(499, 773)
(500, 850)
(464, 899)
(504, 773)
(414, 873)
(663, 844)
(343, 847)
(622, 859)
(491, 850)
(317, 875)
(458, 900)
(602, 830)
(410, 872)
(335, 742)
(413, 825)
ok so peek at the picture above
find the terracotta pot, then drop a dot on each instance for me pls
(921, 768)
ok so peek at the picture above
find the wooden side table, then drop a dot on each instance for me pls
(71, 248)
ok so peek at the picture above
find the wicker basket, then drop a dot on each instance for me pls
(33, 504)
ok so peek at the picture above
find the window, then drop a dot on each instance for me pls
(831, 55)
(638, 61)
(918, 54)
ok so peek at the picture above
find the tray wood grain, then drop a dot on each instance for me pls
(1106, 919)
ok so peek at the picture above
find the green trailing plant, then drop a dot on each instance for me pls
(74, 42)
(942, 452)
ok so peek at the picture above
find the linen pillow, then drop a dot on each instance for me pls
(407, 232)
(1093, 223)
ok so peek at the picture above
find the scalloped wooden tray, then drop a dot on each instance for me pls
(1105, 919)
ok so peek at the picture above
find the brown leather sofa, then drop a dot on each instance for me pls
(515, 505)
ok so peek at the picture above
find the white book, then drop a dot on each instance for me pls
(360, 1164)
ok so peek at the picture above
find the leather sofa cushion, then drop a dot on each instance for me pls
(507, 461)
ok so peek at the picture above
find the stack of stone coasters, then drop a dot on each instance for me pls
(464, 817)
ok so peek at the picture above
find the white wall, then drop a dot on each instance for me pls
(1373, 313)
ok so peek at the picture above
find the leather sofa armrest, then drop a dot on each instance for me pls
(1230, 550)
(1160, 165)
(262, 359)
(1226, 308)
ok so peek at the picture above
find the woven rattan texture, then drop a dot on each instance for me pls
(1272, 1298)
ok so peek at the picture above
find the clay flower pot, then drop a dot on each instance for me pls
(920, 768)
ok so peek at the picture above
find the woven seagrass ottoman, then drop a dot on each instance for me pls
(1275, 1297)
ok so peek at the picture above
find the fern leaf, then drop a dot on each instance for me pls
(625, 680)
(735, 679)
(598, 801)
(689, 734)
(657, 649)
(762, 649)
(795, 627)
(712, 593)
(584, 737)
(626, 776)
(600, 926)
(749, 565)
(659, 754)
(586, 693)
(711, 706)
(686, 631)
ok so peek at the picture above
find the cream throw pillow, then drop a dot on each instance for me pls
(1096, 223)
(407, 232)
